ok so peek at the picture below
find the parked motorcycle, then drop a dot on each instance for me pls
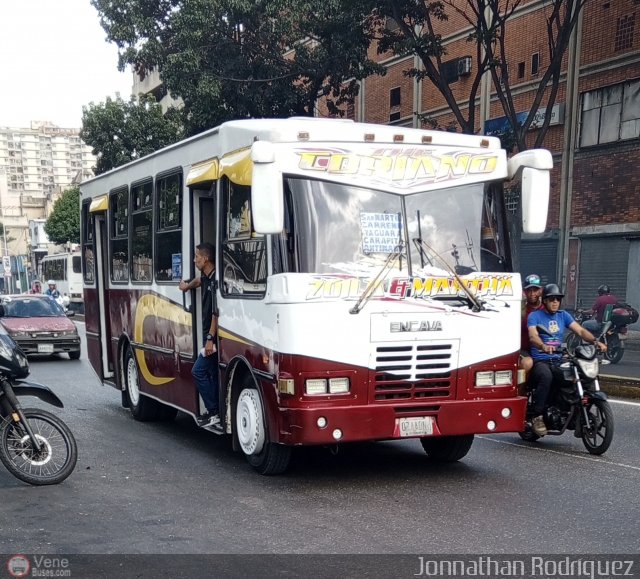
(612, 333)
(579, 404)
(36, 446)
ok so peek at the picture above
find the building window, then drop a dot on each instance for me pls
(394, 117)
(610, 114)
(624, 32)
(394, 97)
(521, 70)
(535, 63)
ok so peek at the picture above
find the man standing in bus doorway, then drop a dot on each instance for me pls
(52, 290)
(205, 370)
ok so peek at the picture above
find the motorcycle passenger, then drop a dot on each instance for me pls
(546, 372)
(52, 290)
(532, 302)
(605, 298)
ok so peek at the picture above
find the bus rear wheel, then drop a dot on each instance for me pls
(447, 448)
(142, 408)
(253, 437)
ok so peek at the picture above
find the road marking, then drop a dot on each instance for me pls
(562, 453)
(627, 402)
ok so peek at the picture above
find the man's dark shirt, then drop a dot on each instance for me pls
(207, 287)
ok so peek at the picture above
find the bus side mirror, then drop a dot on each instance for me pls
(267, 203)
(533, 167)
(535, 200)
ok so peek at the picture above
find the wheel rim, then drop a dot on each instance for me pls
(595, 432)
(49, 460)
(132, 381)
(249, 422)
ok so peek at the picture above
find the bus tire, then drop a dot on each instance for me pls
(447, 448)
(142, 408)
(252, 433)
(75, 355)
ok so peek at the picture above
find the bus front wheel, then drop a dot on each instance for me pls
(447, 448)
(253, 437)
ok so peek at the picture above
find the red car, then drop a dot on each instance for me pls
(39, 325)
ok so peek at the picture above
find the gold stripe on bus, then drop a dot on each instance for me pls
(150, 305)
(99, 204)
(203, 172)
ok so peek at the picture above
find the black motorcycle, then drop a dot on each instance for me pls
(612, 333)
(35, 445)
(578, 404)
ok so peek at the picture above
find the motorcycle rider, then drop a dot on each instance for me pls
(605, 298)
(52, 290)
(546, 372)
(532, 302)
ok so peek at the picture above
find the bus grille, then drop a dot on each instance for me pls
(413, 372)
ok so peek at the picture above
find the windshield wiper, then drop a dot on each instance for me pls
(423, 247)
(373, 285)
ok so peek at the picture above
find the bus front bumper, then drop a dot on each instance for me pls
(329, 425)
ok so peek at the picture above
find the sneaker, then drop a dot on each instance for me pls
(539, 426)
(207, 420)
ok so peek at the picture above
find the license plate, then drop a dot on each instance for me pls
(414, 426)
(45, 348)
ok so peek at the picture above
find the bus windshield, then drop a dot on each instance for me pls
(343, 229)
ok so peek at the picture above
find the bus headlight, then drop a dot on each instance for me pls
(319, 386)
(497, 378)
(338, 385)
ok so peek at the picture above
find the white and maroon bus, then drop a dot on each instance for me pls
(365, 282)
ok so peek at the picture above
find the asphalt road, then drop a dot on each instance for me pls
(171, 488)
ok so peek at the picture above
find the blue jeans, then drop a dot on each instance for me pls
(205, 374)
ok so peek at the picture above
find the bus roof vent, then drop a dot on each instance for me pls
(398, 138)
(369, 137)
(303, 136)
(484, 143)
(427, 138)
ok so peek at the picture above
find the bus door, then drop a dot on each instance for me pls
(102, 283)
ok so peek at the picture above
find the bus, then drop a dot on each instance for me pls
(365, 285)
(66, 270)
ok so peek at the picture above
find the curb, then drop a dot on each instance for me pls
(618, 386)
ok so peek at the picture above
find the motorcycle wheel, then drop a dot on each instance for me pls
(614, 353)
(528, 435)
(57, 457)
(598, 434)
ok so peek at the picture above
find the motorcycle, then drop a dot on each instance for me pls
(612, 333)
(36, 446)
(578, 404)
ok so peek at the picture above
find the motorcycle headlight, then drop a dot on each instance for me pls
(589, 367)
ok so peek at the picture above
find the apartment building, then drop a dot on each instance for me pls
(36, 165)
(593, 229)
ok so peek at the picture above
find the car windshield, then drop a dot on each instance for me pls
(32, 308)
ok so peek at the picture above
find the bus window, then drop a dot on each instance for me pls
(141, 237)
(87, 244)
(119, 234)
(244, 257)
(169, 225)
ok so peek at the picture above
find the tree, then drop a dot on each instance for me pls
(416, 33)
(230, 59)
(120, 131)
(64, 222)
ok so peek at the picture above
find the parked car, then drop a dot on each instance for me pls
(39, 325)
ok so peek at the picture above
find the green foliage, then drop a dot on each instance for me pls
(120, 131)
(231, 59)
(64, 222)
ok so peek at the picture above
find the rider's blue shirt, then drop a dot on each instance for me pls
(556, 324)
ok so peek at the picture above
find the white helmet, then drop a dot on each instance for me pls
(51, 282)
